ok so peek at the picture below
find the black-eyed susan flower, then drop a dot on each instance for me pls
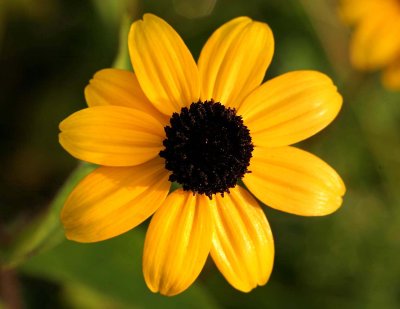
(205, 126)
(375, 43)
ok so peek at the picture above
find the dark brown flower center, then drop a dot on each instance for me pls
(207, 149)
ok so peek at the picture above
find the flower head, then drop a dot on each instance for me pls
(205, 126)
(375, 44)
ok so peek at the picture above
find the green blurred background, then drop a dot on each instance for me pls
(49, 49)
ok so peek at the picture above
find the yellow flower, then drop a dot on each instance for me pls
(375, 43)
(206, 126)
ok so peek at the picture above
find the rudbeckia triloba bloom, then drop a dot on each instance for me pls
(205, 126)
(375, 44)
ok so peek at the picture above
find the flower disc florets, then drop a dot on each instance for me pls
(207, 149)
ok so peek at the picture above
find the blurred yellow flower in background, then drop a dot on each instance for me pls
(205, 126)
(375, 43)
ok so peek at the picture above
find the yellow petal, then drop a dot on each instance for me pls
(391, 76)
(376, 40)
(294, 181)
(234, 60)
(290, 108)
(242, 245)
(113, 200)
(165, 69)
(177, 242)
(119, 87)
(112, 135)
(353, 11)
